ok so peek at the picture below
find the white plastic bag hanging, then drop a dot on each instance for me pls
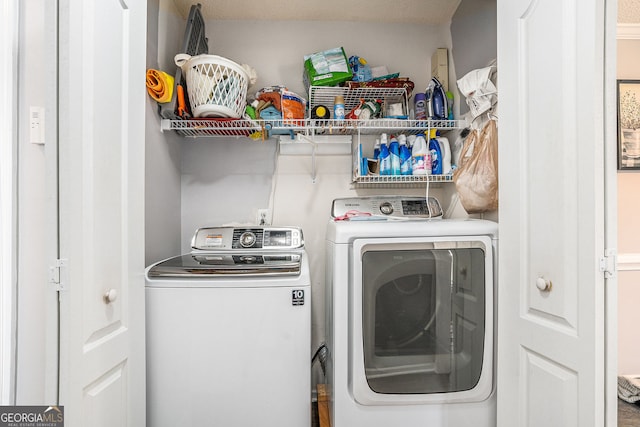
(478, 89)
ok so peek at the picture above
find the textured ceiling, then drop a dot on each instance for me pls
(409, 11)
(628, 11)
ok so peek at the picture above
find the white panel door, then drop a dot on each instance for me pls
(552, 232)
(101, 156)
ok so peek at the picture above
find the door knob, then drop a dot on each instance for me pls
(544, 285)
(110, 296)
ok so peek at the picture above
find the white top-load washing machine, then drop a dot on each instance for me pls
(410, 315)
(229, 331)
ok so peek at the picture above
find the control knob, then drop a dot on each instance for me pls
(247, 239)
(386, 208)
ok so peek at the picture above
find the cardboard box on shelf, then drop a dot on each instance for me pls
(440, 67)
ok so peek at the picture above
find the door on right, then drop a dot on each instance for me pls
(551, 305)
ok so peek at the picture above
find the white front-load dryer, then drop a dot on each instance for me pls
(410, 315)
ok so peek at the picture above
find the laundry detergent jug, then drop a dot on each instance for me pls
(445, 150)
(436, 154)
(420, 158)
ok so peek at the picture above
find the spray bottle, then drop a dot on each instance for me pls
(384, 159)
(405, 156)
(338, 107)
(394, 154)
(436, 153)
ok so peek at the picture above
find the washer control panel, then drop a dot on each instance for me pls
(387, 206)
(245, 238)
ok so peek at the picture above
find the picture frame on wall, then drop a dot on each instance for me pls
(628, 124)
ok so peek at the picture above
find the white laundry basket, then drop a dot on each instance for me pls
(217, 86)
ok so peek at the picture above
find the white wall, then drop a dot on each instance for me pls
(628, 236)
(225, 180)
(8, 211)
(474, 37)
(163, 155)
(32, 202)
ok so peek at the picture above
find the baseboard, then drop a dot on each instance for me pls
(628, 31)
(628, 262)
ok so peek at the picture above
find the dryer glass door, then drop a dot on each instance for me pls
(423, 317)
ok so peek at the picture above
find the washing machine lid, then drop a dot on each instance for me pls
(211, 264)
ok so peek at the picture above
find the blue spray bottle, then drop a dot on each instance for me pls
(436, 154)
(394, 154)
(384, 159)
(405, 156)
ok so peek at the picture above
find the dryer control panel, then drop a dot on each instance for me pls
(387, 206)
(246, 238)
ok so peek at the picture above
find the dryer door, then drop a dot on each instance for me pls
(423, 320)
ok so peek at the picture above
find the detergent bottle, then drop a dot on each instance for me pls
(420, 157)
(376, 150)
(405, 156)
(445, 149)
(394, 154)
(436, 154)
(384, 160)
(449, 105)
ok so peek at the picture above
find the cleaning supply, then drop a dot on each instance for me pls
(394, 154)
(410, 140)
(449, 105)
(420, 158)
(420, 106)
(376, 149)
(405, 156)
(338, 107)
(445, 149)
(360, 68)
(384, 160)
(436, 154)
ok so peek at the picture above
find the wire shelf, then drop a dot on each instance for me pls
(245, 127)
(401, 179)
